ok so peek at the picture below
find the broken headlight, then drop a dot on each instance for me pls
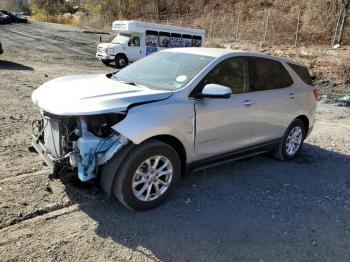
(100, 125)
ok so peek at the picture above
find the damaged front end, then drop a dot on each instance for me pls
(77, 142)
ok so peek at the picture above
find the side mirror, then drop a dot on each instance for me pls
(215, 91)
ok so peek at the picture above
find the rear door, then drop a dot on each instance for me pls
(274, 94)
(224, 125)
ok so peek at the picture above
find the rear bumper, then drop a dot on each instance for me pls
(43, 152)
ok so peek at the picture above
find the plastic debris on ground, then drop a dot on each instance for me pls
(344, 101)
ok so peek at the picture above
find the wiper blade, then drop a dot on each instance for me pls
(132, 83)
(127, 82)
(109, 75)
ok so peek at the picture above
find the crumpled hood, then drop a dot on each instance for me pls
(91, 94)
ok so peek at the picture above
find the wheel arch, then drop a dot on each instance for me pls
(176, 144)
(123, 55)
(306, 122)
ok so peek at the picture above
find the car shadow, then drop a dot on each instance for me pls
(8, 65)
(254, 209)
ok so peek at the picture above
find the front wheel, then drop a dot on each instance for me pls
(106, 62)
(147, 176)
(292, 141)
(121, 61)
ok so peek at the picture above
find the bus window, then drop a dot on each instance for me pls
(164, 39)
(176, 40)
(197, 41)
(187, 40)
(151, 38)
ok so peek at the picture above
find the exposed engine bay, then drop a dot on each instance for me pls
(79, 115)
(82, 142)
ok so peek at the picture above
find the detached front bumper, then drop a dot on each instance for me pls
(89, 157)
(44, 153)
(85, 151)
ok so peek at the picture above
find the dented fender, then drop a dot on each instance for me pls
(161, 118)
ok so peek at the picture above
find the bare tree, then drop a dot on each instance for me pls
(346, 7)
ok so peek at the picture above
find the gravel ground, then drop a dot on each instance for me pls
(257, 209)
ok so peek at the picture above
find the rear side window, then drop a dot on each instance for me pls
(176, 40)
(164, 39)
(197, 41)
(267, 74)
(302, 72)
(187, 40)
(151, 38)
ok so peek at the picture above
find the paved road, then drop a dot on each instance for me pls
(257, 209)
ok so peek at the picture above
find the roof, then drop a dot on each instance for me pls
(135, 25)
(218, 52)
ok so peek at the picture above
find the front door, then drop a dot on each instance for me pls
(134, 50)
(225, 124)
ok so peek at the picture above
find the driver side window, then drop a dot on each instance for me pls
(134, 41)
(232, 73)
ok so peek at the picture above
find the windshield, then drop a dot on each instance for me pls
(121, 39)
(163, 70)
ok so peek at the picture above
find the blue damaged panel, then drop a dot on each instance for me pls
(96, 151)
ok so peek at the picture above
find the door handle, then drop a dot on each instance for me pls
(248, 102)
(291, 96)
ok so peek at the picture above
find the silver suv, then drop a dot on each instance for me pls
(139, 129)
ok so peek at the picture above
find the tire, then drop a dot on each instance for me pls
(106, 62)
(283, 152)
(121, 61)
(135, 164)
(111, 168)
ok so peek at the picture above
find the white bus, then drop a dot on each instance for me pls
(137, 39)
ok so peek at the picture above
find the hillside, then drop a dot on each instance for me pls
(297, 29)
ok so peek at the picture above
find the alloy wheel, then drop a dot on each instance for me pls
(294, 140)
(152, 178)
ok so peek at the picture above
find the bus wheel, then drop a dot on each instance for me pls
(121, 61)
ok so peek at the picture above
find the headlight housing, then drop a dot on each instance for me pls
(100, 125)
(110, 51)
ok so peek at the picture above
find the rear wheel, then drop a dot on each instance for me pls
(292, 141)
(147, 176)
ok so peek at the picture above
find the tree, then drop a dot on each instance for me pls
(346, 7)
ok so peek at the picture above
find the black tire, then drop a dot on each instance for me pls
(281, 152)
(121, 61)
(111, 168)
(122, 184)
(106, 62)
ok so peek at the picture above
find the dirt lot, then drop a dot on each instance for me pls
(257, 209)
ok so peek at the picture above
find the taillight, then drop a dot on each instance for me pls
(317, 94)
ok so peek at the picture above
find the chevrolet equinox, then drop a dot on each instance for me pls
(139, 129)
